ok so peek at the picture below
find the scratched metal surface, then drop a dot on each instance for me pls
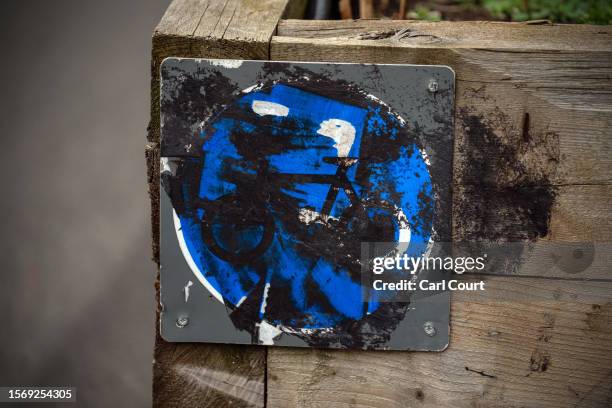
(274, 174)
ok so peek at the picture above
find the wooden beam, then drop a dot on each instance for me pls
(532, 119)
(458, 34)
(532, 122)
(533, 116)
(522, 342)
(558, 75)
(206, 375)
(580, 219)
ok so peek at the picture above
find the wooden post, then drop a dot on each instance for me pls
(206, 375)
(533, 119)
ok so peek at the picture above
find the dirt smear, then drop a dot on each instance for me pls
(506, 193)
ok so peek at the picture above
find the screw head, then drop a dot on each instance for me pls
(429, 329)
(182, 321)
(432, 86)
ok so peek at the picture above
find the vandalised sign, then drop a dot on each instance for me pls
(274, 176)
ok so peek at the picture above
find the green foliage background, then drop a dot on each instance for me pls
(558, 11)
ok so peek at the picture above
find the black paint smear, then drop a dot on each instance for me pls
(189, 100)
(503, 199)
(506, 195)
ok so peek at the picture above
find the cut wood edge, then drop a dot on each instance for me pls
(187, 374)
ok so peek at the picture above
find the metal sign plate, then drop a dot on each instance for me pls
(276, 175)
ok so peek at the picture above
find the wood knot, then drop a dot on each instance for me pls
(403, 35)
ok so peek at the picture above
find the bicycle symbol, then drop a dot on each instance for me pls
(289, 184)
(229, 211)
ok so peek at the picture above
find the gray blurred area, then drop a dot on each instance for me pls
(76, 280)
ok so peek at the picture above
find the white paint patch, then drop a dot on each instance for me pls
(267, 333)
(167, 165)
(264, 302)
(342, 132)
(308, 216)
(186, 290)
(192, 265)
(404, 231)
(242, 299)
(226, 63)
(228, 383)
(252, 88)
(263, 108)
(425, 158)
(164, 164)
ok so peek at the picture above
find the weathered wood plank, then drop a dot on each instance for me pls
(579, 213)
(198, 375)
(532, 157)
(531, 130)
(582, 213)
(580, 219)
(455, 34)
(206, 375)
(557, 76)
(546, 107)
(522, 342)
(214, 29)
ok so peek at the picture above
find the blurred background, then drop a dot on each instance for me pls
(556, 11)
(76, 280)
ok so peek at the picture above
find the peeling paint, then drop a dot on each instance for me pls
(186, 290)
(263, 108)
(226, 63)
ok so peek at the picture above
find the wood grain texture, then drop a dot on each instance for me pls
(206, 375)
(580, 219)
(535, 103)
(522, 343)
(532, 122)
(533, 119)
(558, 75)
(211, 29)
(447, 34)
